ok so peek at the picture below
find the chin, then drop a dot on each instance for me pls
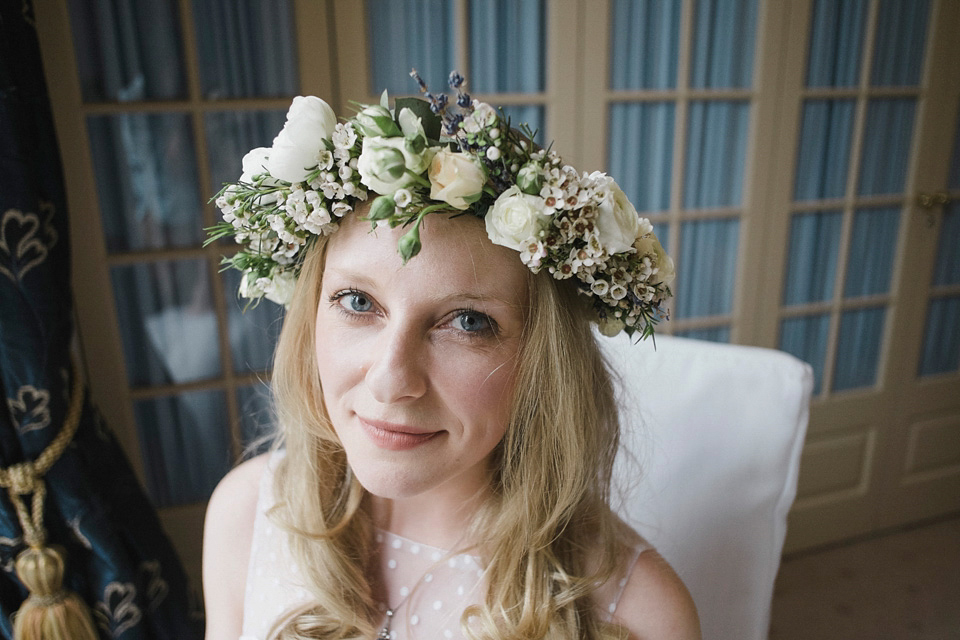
(393, 484)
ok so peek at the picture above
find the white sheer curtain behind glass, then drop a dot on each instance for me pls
(153, 177)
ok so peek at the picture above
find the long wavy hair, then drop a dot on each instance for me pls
(549, 536)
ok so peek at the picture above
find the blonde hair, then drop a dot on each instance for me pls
(549, 535)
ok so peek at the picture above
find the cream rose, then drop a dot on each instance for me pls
(515, 219)
(296, 149)
(455, 178)
(617, 222)
(649, 245)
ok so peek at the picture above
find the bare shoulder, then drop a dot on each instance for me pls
(227, 537)
(655, 604)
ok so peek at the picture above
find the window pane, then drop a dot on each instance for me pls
(405, 34)
(253, 330)
(644, 177)
(706, 268)
(724, 32)
(886, 146)
(645, 46)
(713, 334)
(858, 348)
(146, 181)
(231, 134)
(128, 51)
(806, 338)
(246, 48)
(167, 324)
(824, 149)
(900, 41)
(716, 153)
(184, 445)
(947, 268)
(506, 45)
(836, 40)
(941, 342)
(872, 250)
(812, 267)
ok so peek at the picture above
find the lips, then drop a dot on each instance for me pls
(395, 437)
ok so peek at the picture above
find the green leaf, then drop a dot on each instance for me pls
(421, 109)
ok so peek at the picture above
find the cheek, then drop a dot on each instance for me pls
(486, 396)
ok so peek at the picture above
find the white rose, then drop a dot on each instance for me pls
(385, 162)
(254, 163)
(376, 121)
(454, 177)
(296, 149)
(617, 222)
(515, 219)
(649, 245)
(280, 289)
(410, 123)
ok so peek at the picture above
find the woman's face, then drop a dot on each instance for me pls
(417, 362)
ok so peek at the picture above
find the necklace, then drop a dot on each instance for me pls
(385, 631)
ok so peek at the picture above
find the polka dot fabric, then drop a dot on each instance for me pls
(429, 588)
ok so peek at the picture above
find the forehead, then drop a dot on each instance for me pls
(456, 258)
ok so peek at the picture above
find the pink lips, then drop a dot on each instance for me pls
(395, 437)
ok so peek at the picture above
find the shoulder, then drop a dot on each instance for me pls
(655, 604)
(227, 538)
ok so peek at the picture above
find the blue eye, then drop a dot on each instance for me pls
(359, 302)
(472, 322)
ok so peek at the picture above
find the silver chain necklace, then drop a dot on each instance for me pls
(385, 631)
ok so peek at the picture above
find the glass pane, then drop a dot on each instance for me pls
(128, 50)
(231, 134)
(645, 44)
(724, 32)
(706, 268)
(167, 324)
(252, 332)
(900, 41)
(947, 267)
(246, 48)
(872, 250)
(530, 114)
(716, 153)
(886, 145)
(858, 348)
(146, 181)
(506, 45)
(184, 445)
(644, 177)
(256, 416)
(662, 231)
(806, 338)
(405, 34)
(836, 39)
(812, 266)
(824, 154)
(941, 342)
(713, 334)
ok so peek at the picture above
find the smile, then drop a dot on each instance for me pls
(395, 437)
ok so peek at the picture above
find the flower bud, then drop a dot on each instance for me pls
(409, 244)
(382, 208)
(387, 161)
(528, 178)
(375, 120)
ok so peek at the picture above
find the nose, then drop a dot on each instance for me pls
(397, 366)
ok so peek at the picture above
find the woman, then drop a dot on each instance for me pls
(448, 425)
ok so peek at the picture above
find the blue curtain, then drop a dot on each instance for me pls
(118, 559)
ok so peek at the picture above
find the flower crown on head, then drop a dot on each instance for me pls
(429, 156)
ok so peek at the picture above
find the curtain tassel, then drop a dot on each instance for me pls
(50, 612)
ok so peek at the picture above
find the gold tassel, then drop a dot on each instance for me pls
(50, 612)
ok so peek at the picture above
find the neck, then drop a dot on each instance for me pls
(439, 518)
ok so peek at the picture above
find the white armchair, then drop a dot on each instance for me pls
(716, 433)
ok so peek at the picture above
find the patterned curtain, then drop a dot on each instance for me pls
(118, 559)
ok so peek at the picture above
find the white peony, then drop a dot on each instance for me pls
(296, 149)
(617, 222)
(515, 219)
(386, 164)
(455, 177)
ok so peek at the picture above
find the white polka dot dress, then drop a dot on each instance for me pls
(428, 588)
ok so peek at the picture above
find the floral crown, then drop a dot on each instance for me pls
(427, 156)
